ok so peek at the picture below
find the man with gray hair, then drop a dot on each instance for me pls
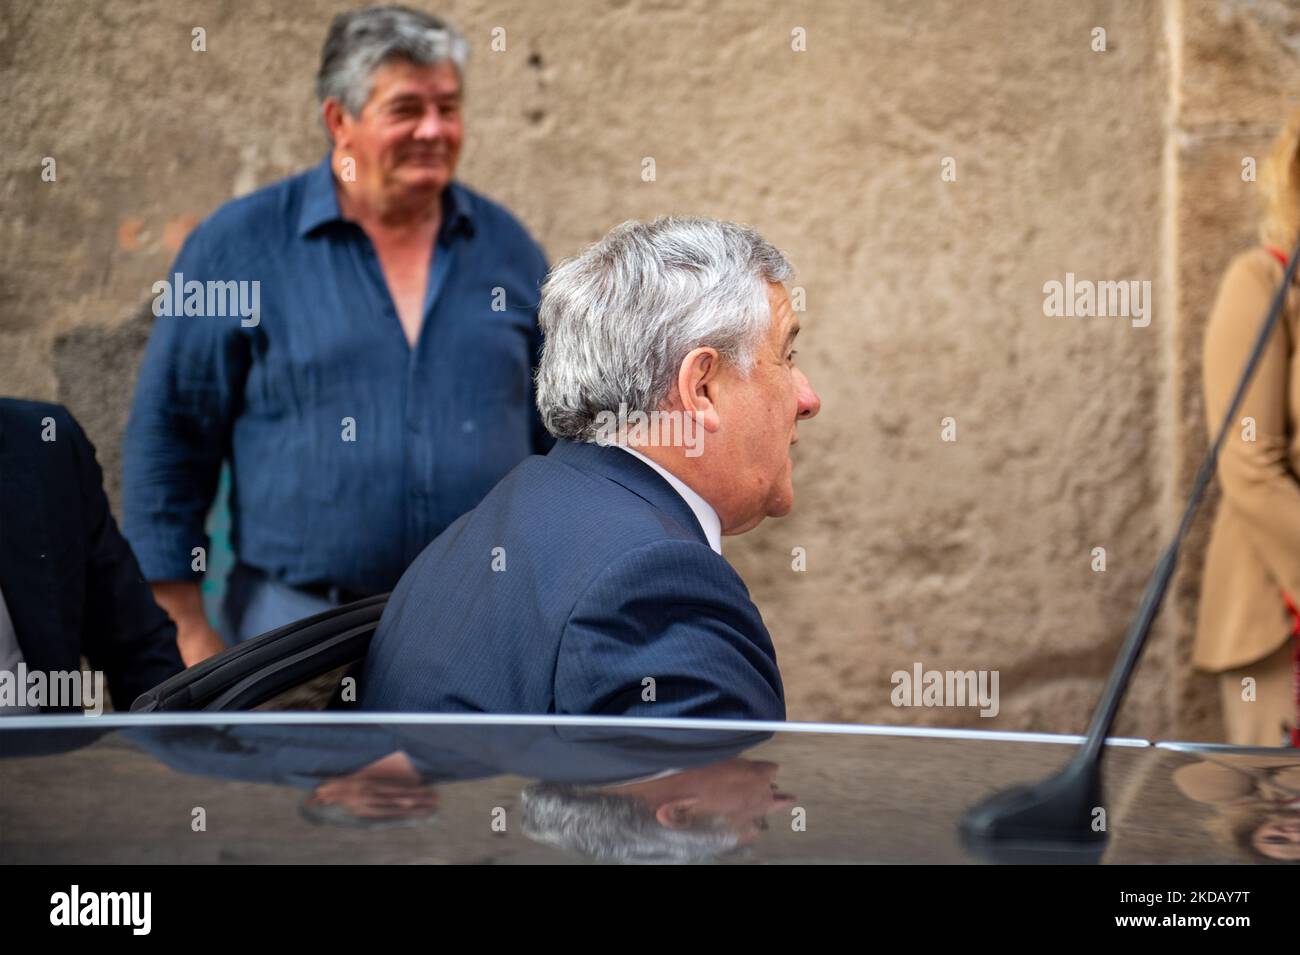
(592, 580)
(358, 342)
(678, 815)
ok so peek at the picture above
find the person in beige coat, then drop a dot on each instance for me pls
(1245, 630)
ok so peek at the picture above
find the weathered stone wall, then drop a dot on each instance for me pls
(924, 292)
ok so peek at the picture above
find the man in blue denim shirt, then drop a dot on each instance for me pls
(358, 340)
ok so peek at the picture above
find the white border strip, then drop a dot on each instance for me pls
(286, 717)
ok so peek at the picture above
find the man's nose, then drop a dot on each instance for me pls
(430, 125)
(809, 403)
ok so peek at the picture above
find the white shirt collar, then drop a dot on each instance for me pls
(642, 779)
(705, 514)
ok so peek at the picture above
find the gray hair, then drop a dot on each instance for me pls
(606, 826)
(619, 318)
(360, 41)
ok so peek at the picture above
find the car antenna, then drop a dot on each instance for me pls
(1053, 820)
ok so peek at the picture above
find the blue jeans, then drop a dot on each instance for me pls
(255, 604)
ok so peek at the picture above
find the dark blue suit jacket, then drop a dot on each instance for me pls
(70, 580)
(580, 576)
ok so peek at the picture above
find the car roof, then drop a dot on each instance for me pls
(134, 788)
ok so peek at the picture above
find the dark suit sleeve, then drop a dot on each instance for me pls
(675, 613)
(125, 633)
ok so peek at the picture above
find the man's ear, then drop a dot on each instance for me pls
(698, 380)
(334, 115)
(677, 813)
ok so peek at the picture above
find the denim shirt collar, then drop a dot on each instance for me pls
(320, 204)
